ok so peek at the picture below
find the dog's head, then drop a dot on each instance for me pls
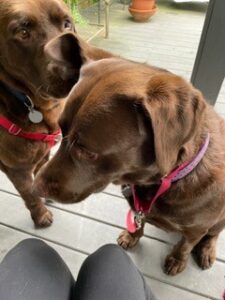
(30, 58)
(123, 123)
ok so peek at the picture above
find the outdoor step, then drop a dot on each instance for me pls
(10, 237)
(112, 210)
(85, 235)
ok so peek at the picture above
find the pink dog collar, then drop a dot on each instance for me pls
(142, 208)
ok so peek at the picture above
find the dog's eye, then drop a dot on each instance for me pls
(24, 34)
(76, 149)
(67, 25)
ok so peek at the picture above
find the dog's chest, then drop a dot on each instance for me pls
(16, 151)
(163, 214)
(163, 222)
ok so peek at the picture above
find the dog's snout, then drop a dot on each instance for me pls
(45, 188)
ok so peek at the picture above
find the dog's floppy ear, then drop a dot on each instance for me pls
(65, 49)
(175, 109)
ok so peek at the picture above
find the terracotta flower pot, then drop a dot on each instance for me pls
(142, 10)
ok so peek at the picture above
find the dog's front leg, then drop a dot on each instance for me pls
(176, 261)
(41, 163)
(23, 180)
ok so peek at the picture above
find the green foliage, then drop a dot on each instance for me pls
(71, 2)
(75, 11)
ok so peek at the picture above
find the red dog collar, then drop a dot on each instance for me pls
(13, 129)
(142, 208)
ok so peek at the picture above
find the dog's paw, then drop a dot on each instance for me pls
(43, 219)
(205, 255)
(126, 240)
(206, 259)
(174, 266)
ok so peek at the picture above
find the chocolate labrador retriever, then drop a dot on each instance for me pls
(33, 87)
(133, 124)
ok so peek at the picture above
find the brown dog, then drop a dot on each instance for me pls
(26, 32)
(129, 123)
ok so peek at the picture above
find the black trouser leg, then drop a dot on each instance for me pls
(34, 271)
(109, 274)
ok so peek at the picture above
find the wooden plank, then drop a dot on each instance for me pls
(146, 46)
(156, 31)
(220, 107)
(112, 210)
(168, 292)
(86, 236)
(10, 237)
(221, 97)
(102, 207)
(165, 60)
(169, 40)
(145, 51)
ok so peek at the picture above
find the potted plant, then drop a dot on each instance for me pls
(142, 10)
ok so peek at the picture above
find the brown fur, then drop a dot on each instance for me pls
(26, 64)
(129, 123)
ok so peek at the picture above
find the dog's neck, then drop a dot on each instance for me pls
(49, 108)
(13, 82)
(145, 192)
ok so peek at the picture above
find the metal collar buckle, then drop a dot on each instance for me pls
(13, 130)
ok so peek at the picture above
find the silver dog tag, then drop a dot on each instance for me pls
(35, 116)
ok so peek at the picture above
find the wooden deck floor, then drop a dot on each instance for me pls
(170, 40)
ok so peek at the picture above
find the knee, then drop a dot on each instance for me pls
(32, 248)
(110, 249)
(109, 253)
(31, 243)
